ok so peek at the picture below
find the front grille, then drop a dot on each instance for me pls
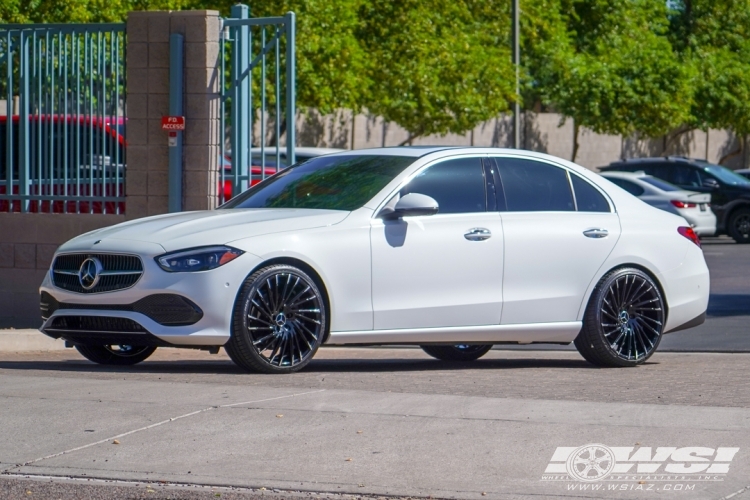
(165, 308)
(118, 272)
(95, 324)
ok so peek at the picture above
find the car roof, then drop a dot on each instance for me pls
(625, 175)
(413, 151)
(656, 159)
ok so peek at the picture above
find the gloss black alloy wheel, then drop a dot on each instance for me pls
(738, 225)
(117, 355)
(458, 352)
(279, 321)
(624, 320)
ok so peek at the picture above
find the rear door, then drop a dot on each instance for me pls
(555, 242)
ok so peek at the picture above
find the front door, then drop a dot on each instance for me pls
(441, 270)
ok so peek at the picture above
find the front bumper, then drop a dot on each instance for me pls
(213, 292)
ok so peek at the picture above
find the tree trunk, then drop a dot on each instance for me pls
(575, 141)
(408, 140)
(282, 131)
(732, 154)
(671, 140)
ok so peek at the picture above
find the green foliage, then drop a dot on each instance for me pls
(444, 66)
(79, 11)
(616, 73)
(713, 38)
(330, 61)
(439, 66)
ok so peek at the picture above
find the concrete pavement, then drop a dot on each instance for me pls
(368, 421)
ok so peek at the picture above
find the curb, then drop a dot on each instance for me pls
(28, 340)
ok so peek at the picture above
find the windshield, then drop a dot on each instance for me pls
(343, 182)
(727, 176)
(659, 184)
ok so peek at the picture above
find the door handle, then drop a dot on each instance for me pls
(478, 234)
(596, 233)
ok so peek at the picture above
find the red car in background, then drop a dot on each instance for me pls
(256, 173)
(69, 155)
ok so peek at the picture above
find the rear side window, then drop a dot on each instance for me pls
(683, 175)
(457, 185)
(532, 186)
(588, 198)
(630, 187)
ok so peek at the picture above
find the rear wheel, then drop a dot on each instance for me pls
(460, 352)
(624, 320)
(280, 320)
(738, 225)
(119, 355)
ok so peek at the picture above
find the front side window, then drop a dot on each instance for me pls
(340, 182)
(457, 185)
(532, 186)
(588, 199)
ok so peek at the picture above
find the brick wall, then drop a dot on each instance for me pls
(27, 243)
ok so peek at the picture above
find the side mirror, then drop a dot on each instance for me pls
(410, 205)
(710, 183)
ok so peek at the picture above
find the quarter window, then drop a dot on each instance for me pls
(457, 185)
(588, 199)
(532, 186)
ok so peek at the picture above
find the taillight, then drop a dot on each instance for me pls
(688, 233)
(682, 204)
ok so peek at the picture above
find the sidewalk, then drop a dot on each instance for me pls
(28, 340)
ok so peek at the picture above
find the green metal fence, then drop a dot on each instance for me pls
(258, 98)
(62, 124)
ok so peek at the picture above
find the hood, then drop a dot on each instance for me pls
(210, 227)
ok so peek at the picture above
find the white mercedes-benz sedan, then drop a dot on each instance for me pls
(451, 249)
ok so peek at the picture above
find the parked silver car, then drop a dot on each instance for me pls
(694, 207)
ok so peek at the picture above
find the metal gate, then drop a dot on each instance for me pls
(258, 98)
(62, 125)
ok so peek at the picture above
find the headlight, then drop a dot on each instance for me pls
(197, 259)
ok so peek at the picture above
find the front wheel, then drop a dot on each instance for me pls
(460, 352)
(118, 355)
(624, 320)
(738, 225)
(279, 322)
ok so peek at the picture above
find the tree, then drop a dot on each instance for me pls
(616, 72)
(437, 66)
(713, 38)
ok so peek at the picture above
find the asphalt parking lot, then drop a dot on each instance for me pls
(387, 422)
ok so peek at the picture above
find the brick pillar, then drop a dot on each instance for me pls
(202, 106)
(148, 100)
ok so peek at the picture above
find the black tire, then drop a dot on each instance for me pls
(624, 320)
(271, 333)
(738, 225)
(117, 355)
(460, 352)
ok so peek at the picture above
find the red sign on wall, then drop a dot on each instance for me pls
(173, 123)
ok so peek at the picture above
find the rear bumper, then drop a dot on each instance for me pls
(686, 289)
(698, 320)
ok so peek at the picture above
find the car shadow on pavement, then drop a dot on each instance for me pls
(723, 305)
(220, 367)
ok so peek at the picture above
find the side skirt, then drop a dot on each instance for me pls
(563, 332)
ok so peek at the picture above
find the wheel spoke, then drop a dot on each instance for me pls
(631, 316)
(284, 318)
